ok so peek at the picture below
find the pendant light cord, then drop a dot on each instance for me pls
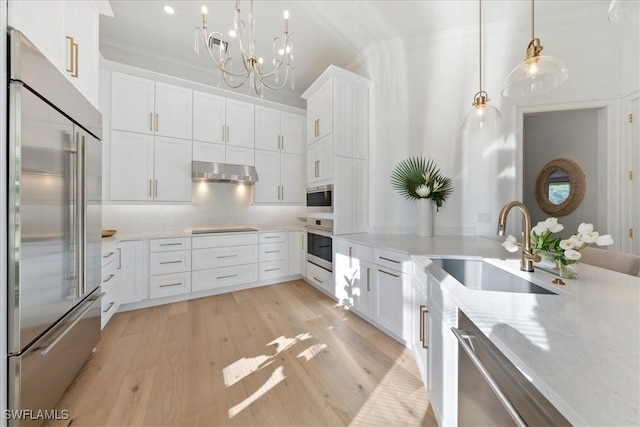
(480, 41)
(533, 20)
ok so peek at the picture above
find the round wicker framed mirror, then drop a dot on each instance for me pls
(560, 187)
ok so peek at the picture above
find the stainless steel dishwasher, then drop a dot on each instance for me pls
(491, 390)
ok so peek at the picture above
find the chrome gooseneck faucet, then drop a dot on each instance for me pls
(528, 258)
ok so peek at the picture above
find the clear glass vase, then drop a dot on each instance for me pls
(566, 271)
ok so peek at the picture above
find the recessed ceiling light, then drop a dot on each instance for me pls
(169, 10)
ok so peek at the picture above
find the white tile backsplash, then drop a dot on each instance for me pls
(213, 205)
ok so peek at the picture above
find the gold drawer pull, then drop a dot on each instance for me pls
(273, 269)
(317, 280)
(389, 259)
(107, 255)
(170, 244)
(170, 284)
(389, 274)
(109, 277)
(109, 308)
(227, 277)
(170, 262)
(226, 256)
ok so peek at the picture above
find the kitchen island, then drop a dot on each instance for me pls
(579, 348)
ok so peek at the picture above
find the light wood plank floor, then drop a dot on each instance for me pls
(282, 355)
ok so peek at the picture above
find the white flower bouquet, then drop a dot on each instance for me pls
(562, 252)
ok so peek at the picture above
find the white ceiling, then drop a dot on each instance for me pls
(324, 32)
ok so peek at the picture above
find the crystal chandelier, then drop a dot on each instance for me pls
(252, 66)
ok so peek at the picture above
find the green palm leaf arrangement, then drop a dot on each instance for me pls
(418, 178)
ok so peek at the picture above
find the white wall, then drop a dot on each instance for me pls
(422, 88)
(572, 134)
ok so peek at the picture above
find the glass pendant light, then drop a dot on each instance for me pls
(482, 114)
(537, 74)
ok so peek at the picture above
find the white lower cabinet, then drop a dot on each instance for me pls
(224, 260)
(169, 270)
(353, 276)
(297, 251)
(420, 327)
(165, 285)
(388, 299)
(274, 255)
(131, 269)
(320, 278)
(109, 303)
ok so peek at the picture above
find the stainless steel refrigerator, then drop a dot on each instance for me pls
(54, 236)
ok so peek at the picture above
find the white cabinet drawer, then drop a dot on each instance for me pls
(169, 284)
(108, 252)
(273, 251)
(222, 277)
(394, 260)
(108, 276)
(273, 237)
(273, 269)
(222, 240)
(353, 251)
(169, 262)
(320, 277)
(224, 257)
(163, 245)
(109, 304)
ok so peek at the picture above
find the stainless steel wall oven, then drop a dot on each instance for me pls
(320, 242)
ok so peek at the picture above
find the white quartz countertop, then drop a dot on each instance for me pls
(580, 348)
(167, 234)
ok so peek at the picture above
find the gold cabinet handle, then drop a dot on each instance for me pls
(227, 277)
(73, 57)
(150, 188)
(151, 121)
(227, 133)
(119, 259)
(272, 269)
(71, 43)
(109, 277)
(109, 307)
(282, 192)
(389, 259)
(318, 127)
(223, 134)
(317, 280)
(423, 311)
(350, 256)
(282, 142)
(157, 122)
(170, 262)
(368, 279)
(155, 188)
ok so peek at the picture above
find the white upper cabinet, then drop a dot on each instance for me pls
(240, 124)
(147, 168)
(66, 32)
(144, 106)
(131, 173)
(267, 129)
(279, 131)
(280, 178)
(320, 161)
(292, 178)
(132, 103)
(208, 118)
(320, 112)
(351, 104)
(172, 170)
(173, 111)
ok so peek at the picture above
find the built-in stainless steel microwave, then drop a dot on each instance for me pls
(320, 199)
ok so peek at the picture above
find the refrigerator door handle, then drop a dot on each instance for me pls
(72, 240)
(90, 305)
(82, 215)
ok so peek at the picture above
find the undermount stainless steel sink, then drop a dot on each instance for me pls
(480, 275)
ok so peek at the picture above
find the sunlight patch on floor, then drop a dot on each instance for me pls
(310, 352)
(276, 377)
(244, 367)
(392, 399)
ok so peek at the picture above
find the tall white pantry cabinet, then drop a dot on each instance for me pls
(338, 144)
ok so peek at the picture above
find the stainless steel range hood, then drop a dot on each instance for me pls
(222, 172)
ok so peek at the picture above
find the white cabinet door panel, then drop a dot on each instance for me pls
(389, 299)
(224, 240)
(173, 111)
(360, 195)
(292, 133)
(273, 269)
(267, 129)
(130, 267)
(224, 257)
(221, 277)
(240, 122)
(169, 284)
(132, 103)
(131, 171)
(81, 23)
(208, 152)
(172, 169)
(292, 178)
(208, 117)
(267, 189)
(296, 252)
(343, 196)
(240, 156)
(273, 251)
